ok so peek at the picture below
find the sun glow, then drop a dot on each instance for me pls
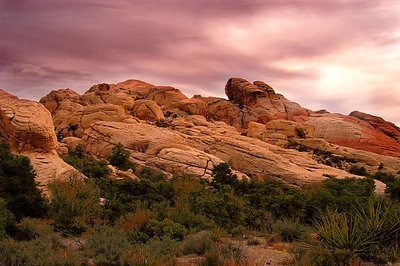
(337, 80)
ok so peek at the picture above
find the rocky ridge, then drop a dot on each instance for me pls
(255, 131)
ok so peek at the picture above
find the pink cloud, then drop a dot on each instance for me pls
(197, 46)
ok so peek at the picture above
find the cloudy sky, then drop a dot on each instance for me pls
(341, 55)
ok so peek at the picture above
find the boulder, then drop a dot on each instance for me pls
(147, 110)
(26, 125)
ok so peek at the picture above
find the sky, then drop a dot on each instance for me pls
(339, 55)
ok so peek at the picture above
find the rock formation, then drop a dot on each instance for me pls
(28, 127)
(257, 131)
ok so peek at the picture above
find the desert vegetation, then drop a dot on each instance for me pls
(159, 221)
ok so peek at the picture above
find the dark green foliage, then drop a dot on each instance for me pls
(370, 232)
(222, 175)
(18, 187)
(129, 195)
(223, 207)
(274, 197)
(6, 218)
(108, 246)
(393, 189)
(86, 165)
(392, 184)
(151, 174)
(290, 230)
(361, 171)
(343, 194)
(74, 205)
(120, 158)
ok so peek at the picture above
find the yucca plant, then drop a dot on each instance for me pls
(367, 232)
(381, 220)
(340, 231)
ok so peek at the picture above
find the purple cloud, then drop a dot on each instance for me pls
(197, 45)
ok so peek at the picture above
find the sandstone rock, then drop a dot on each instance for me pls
(259, 102)
(117, 174)
(388, 128)
(278, 132)
(49, 167)
(371, 161)
(150, 146)
(78, 121)
(242, 92)
(147, 110)
(72, 142)
(352, 132)
(252, 156)
(26, 125)
(66, 97)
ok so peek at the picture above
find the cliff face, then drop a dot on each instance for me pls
(255, 131)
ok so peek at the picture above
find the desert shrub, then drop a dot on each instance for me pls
(223, 207)
(361, 171)
(258, 219)
(290, 230)
(275, 197)
(233, 253)
(192, 221)
(120, 158)
(75, 205)
(393, 189)
(253, 242)
(165, 229)
(6, 218)
(151, 174)
(18, 187)
(343, 194)
(164, 250)
(124, 196)
(212, 258)
(319, 256)
(392, 184)
(107, 246)
(86, 165)
(45, 249)
(222, 175)
(199, 244)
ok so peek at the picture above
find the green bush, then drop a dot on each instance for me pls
(274, 197)
(75, 205)
(120, 158)
(223, 207)
(87, 166)
(18, 187)
(342, 194)
(108, 246)
(6, 219)
(199, 244)
(361, 171)
(290, 230)
(222, 175)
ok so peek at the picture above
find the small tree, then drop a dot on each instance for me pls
(6, 218)
(75, 205)
(120, 158)
(18, 187)
(222, 175)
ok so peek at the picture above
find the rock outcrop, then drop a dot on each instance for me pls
(28, 128)
(355, 133)
(256, 131)
(26, 125)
